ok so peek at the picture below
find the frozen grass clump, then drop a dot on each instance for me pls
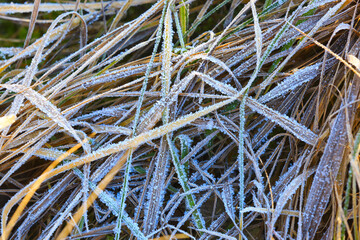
(176, 119)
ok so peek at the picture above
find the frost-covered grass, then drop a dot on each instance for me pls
(175, 119)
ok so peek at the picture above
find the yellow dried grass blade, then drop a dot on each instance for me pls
(7, 121)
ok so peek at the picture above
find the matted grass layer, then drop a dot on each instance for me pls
(174, 119)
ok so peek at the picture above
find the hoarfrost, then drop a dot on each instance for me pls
(47, 107)
(285, 122)
(299, 78)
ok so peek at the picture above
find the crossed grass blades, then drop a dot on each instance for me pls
(177, 119)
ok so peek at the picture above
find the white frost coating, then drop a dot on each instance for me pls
(47, 233)
(95, 55)
(209, 58)
(156, 190)
(241, 152)
(258, 35)
(247, 50)
(47, 107)
(114, 111)
(290, 83)
(315, 4)
(188, 214)
(24, 158)
(165, 88)
(299, 78)
(149, 119)
(318, 24)
(10, 51)
(52, 154)
(284, 121)
(121, 55)
(217, 234)
(10, 8)
(220, 86)
(167, 50)
(32, 70)
(112, 204)
(55, 34)
(185, 141)
(41, 206)
(285, 196)
(109, 77)
(105, 168)
(227, 196)
(110, 129)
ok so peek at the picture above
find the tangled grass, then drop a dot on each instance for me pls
(176, 119)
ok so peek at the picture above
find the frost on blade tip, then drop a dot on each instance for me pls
(227, 196)
(290, 190)
(110, 129)
(121, 55)
(299, 78)
(263, 131)
(301, 44)
(47, 107)
(284, 121)
(215, 61)
(167, 50)
(114, 111)
(224, 88)
(156, 190)
(285, 179)
(185, 141)
(210, 125)
(258, 35)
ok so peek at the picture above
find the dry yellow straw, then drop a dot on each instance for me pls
(7, 121)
